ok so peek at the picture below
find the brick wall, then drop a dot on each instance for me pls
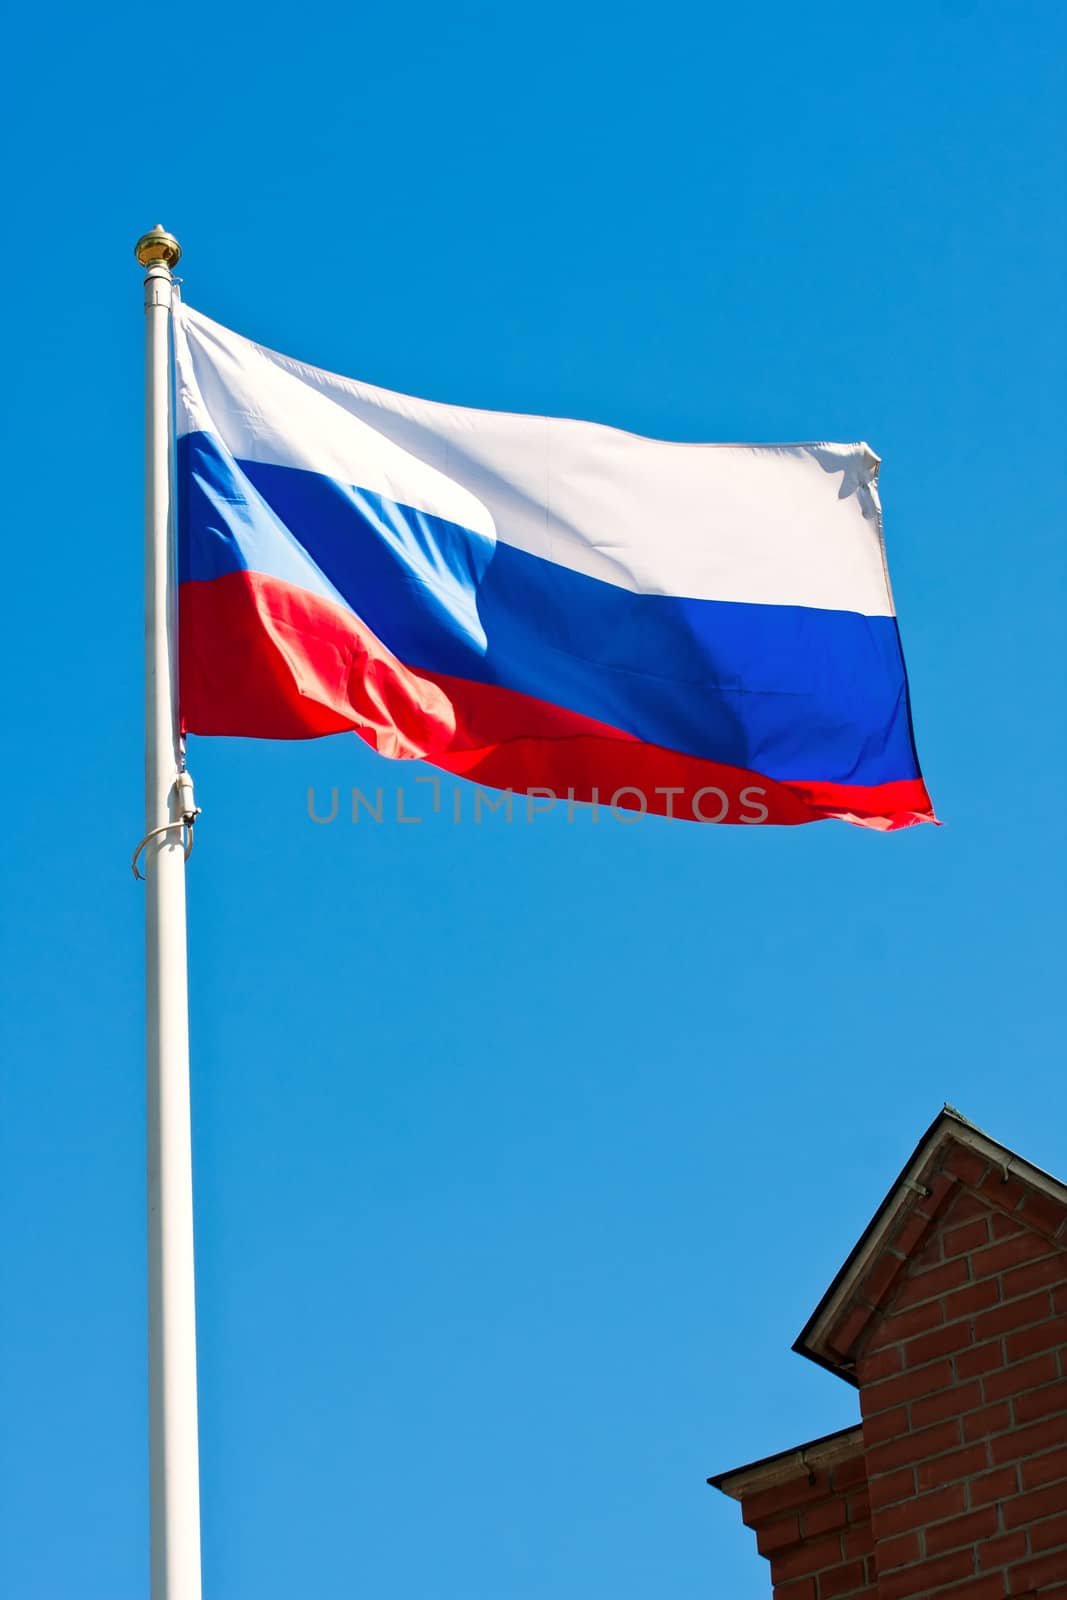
(815, 1528)
(963, 1391)
(953, 1326)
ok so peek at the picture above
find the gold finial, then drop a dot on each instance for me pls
(157, 247)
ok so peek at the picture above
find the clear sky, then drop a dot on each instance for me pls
(522, 1153)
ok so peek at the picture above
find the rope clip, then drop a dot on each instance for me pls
(189, 812)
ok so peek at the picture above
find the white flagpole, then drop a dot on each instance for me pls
(174, 1489)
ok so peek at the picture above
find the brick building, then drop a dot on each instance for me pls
(950, 1318)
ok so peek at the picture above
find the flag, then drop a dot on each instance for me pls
(537, 604)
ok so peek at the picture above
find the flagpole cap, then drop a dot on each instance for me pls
(158, 248)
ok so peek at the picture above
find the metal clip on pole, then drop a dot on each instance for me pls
(189, 813)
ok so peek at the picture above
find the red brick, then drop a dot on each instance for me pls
(859, 1506)
(802, 1589)
(891, 1487)
(880, 1275)
(968, 1236)
(1004, 1191)
(906, 1324)
(1050, 1534)
(906, 1386)
(1041, 1211)
(927, 1575)
(943, 1187)
(1045, 1336)
(1042, 1402)
(885, 1425)
(947, 1403)
(1031, 1576)
(824, 1518)
(1050, 1272)
(1008, 1253)
(928, 1255)
(843, 1336)
(1002, 1226)
(917, 1319)
(931, 1285)
(898, 1552)
(841, 1580)
(921, 1510)
(994, 1486)
(967, 1205)
(913, 1447)
(991, 1588)
(811, 1556)
(960, 1531)
(941, 1342)
(778, 1535)
(1024, 1375)
(946, 1469)
(910, 1232)
(1044, 1469)
(857, 1541)
(1035, 1505)
(972, 1298)
(967, 1165)
(971, 1363)
(998, 1552)
(1016, 1314)
(871, 1368)
(990, 1419)
(1025, 1442)
(767, 1504)
(851, 1471)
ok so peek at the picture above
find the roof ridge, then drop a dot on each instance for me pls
(908, 1192)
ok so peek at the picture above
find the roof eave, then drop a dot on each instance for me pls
(815, 1455)
(949, 1124)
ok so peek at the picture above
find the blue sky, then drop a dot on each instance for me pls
(521, 1153)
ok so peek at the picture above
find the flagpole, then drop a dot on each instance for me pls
(174, 1486)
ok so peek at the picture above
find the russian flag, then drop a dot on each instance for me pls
(703, 631)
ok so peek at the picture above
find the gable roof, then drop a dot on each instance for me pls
(904, 1219)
